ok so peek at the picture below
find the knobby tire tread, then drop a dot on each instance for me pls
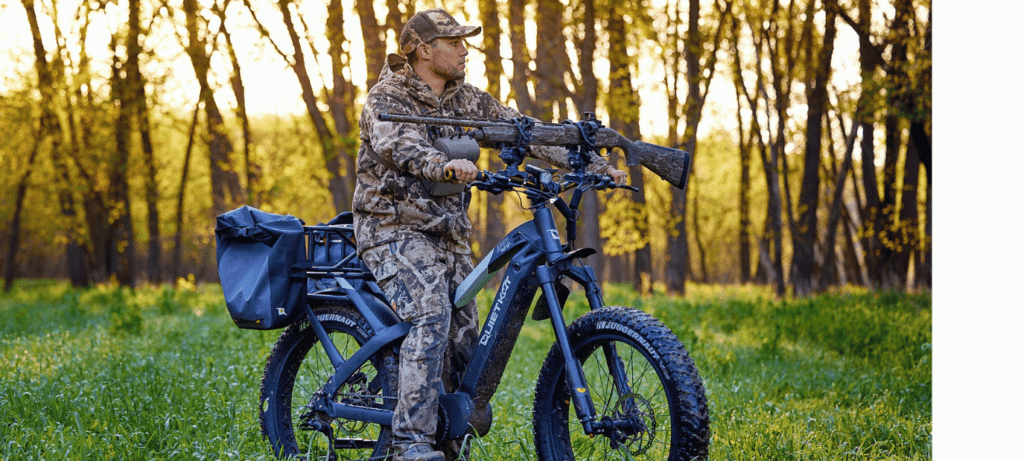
(690, 420)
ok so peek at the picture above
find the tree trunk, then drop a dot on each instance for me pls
(521, 73)
(122, 237)
(373, 38)
(225, 185)
(50, 130)
(340, 191)
(924, 261)
(625, 106)
(19, 202)
(869, 63)
(586, 101)
(774, 219)
(909, 237)
(552, 61)
(780, 44)
(702, 254)
(179, 211)
(340, 101)
(396, 19)
(677, 257)
(697, 84)
(851, 263)
(830, 268)
(766, 39)
(238, 88)
(494, 227)
(139, 109)
(745, 144)
(804, 236)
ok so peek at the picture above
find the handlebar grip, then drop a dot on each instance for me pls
(481, 175)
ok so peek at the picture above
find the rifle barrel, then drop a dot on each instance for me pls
(440, 120)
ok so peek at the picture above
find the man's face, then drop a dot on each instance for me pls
(449, 58)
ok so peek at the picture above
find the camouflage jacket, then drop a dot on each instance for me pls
(393, 205)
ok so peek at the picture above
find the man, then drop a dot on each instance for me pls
(416, 244)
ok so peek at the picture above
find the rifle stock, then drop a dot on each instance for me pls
(672, 165)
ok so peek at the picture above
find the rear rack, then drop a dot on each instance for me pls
(331, 248)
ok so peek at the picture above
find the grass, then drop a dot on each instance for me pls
(153, 373)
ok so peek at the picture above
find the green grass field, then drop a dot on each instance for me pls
(153, 373)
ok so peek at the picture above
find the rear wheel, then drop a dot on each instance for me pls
(297, 367)
(656, 410)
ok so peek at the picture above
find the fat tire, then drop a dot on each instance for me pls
(297, 351)
(680, 386)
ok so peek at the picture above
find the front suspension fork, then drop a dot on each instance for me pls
(575, 379)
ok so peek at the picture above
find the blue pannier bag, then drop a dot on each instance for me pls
(261, 259)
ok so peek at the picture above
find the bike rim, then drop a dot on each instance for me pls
(352, 440)
(645, 413)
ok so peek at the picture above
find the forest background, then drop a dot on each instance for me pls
(103, 181)
(130, 125)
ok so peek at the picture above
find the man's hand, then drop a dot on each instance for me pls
(617, 175)
(461, 170)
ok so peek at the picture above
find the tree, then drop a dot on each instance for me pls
(225, 185)
(19, 202)
(135, 87)
(330, 147)
(890, 226)
(122, 235)
(373, 38)
(803, 271)
(624, 106)
(552, 62)
(769, 253)
(585, 99)
(238, 88)
(179, 212)
(52, 136)
(340, 101)
(830, 267)
(700, 69)
(520, 56)
(493, 225)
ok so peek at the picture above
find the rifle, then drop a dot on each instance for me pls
(582, 138)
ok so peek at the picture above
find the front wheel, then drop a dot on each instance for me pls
(298, 367)
(646, 391)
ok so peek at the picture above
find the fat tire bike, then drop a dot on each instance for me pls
(616, 384)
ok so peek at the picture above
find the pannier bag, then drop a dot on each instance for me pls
(261, 259)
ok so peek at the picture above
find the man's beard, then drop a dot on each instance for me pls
(452, 72)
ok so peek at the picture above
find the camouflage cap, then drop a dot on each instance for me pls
(430, 24)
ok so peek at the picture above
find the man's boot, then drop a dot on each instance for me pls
(418, 452)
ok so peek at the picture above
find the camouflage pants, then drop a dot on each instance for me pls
(419, 276)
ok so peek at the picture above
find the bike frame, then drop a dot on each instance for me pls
(535, 257)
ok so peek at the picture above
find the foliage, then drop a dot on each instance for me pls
(70, 186)
(844, 375)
